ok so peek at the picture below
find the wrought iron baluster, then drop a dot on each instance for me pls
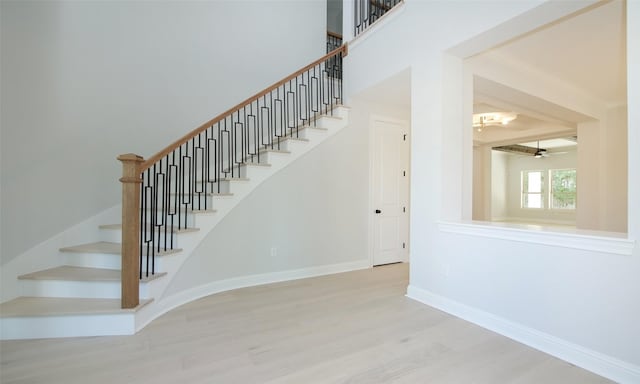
(171, 184)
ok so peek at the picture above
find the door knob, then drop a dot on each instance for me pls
(378, 211)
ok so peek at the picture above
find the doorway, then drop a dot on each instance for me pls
(390, 146)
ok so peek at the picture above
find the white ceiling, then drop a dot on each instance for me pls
(586, 51)
(552, 143)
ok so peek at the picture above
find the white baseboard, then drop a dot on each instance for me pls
(164, 305)
(588, 359)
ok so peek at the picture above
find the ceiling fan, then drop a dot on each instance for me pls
(540, 152)
(527, 151)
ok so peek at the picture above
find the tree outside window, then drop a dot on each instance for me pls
(563, 188)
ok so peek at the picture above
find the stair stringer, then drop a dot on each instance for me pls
(327, 126)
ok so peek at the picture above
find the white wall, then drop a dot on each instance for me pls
(590, 188)
(602, 159)
(482, 185)
(615, 177)
(585, 304)
(83, 82)
(314, 212)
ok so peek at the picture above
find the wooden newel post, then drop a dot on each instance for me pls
(130, 229)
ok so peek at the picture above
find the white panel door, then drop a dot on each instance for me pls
(390, 193)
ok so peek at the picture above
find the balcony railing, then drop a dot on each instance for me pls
(367, 12)
(334, 41)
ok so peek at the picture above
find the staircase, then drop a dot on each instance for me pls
(83, 295)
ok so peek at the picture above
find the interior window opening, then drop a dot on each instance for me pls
(542, 154)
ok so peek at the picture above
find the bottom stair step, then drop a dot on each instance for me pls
(58, 306)
(71, 273)
(80, 282)
(41, 317)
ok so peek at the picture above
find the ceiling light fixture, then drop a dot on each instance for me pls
(480, 120)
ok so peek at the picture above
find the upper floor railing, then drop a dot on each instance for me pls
(367, 12)
(162, 193)
(334, 41)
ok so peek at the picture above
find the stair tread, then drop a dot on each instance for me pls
(57, 306)
(73, 273)
(97, 247)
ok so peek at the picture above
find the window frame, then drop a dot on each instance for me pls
(575, 193)
(523, 176)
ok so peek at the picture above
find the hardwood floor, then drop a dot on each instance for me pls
(354, 327)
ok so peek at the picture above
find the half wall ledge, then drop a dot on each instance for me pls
(596, 241)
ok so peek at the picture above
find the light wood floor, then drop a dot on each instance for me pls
(355, 327)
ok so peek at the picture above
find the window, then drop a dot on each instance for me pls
(563, 188)
(532, 182)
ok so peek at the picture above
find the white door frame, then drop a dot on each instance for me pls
(371, 217)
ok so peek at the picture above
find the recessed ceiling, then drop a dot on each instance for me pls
(552, 143)
(586, 51)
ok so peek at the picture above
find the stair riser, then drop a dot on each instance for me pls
(37, 327)
(77, 289)
(200, 201)
(93, 260)
(224, 187)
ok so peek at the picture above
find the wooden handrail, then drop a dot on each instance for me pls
(155, 158)
(333, 34)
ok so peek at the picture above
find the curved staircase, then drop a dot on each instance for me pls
(82, 294)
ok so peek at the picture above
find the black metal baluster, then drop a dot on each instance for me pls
(192, 178)
(171, 185)
(143, 208)
(173, 180)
